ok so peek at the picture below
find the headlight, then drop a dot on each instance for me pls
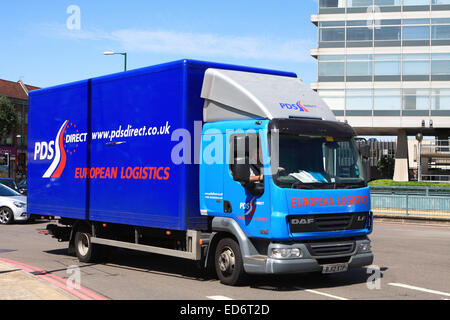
(285, 253)
(19, 204)
(365, 247)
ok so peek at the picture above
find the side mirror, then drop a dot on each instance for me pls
(241, 171)
(365, 151)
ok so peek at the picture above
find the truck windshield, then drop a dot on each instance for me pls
(314, 162)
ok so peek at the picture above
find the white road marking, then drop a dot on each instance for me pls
(322, 294)
(420, 289)
(219, 298)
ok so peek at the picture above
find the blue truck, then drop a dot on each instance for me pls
(244, 170)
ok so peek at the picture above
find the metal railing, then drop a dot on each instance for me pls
(411, 201)
(435, 178)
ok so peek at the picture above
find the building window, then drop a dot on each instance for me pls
(333, 57)
(359, 3)
(416, 21)
(359, 68)
(388, 33)
(412, 68)
(440, 32)
(359, 34)
(359, 100)
(332, 34)
(383, 3)
(440, 99)
(332, 4)
(387, 68)
(440, 66)
(332, 24)
(327, 69)
(416, 33)
(387, 99)
(416, 2)
(416, 99)
(335, 99)
(416, 67)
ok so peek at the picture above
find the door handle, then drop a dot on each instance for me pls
(227, 208)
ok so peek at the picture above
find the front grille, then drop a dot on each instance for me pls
(328, 222)
(331, 249)
(333, 222)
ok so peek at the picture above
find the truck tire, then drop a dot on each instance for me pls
(6, 215)
(229, 263)
(85, 250)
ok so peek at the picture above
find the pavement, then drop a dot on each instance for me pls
(412, 261)
(17, 284)
(427, 218)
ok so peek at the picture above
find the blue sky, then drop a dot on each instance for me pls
(38, 47)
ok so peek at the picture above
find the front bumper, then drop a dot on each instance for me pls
(308, 262)
(20, 214)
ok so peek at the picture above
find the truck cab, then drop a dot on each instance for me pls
(282, 176)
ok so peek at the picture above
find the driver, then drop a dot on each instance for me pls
(256, 166)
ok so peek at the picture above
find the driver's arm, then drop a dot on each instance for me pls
(257, 178)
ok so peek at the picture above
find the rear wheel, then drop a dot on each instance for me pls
(6, 216)
(228, 262)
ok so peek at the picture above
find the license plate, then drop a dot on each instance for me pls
(335, 268)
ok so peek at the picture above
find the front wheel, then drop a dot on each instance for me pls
(228, 262)
(6, 216)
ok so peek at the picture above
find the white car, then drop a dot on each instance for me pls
(13, 206)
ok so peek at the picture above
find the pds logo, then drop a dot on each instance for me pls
(297, 106)
(57, 150)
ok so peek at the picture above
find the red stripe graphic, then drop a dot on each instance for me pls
(62, 162)
(301, 106)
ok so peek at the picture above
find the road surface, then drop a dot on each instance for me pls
(414, 263)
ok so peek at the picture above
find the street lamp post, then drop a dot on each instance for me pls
(419, 138)
(124, 54)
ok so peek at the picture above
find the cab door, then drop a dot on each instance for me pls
(211, 174)
(248, 204)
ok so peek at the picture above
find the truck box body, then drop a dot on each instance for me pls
(100, 149)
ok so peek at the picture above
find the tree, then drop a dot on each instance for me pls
(386, 167)
(8, 117)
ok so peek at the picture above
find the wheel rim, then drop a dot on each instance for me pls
(4, 216)
(227, 261)
(83, 244)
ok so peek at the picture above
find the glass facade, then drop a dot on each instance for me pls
(403, 80)
(384, 33)
(384, 67)
(385, 102)
(358, 6)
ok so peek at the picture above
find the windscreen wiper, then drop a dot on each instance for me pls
(352, 185)
(302, 185)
